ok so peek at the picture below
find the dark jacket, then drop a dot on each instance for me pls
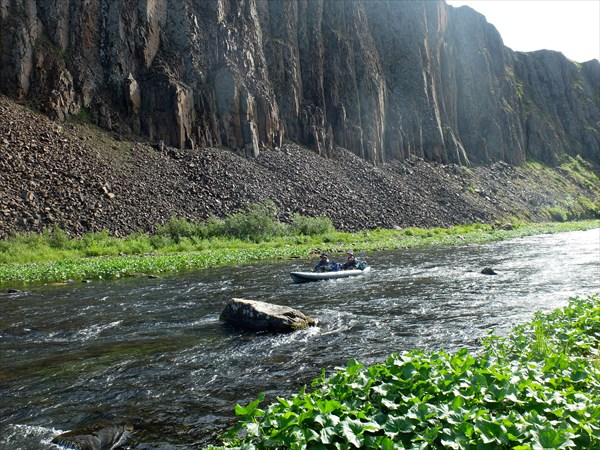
(350, 263)
(322, 266)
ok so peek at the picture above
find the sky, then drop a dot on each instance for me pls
(571, 27)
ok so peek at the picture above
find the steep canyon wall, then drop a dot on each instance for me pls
(386, 79)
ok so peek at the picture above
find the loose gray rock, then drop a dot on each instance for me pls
(261, 316)
(58, 175)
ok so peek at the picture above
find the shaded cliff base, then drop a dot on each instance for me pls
(80, 178)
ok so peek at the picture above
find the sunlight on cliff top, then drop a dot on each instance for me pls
(570, 27)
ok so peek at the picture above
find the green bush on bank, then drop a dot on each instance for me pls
(257, 224)
(537, 388)
(311, 226)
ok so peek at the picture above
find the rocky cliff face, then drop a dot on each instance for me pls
(385, 79)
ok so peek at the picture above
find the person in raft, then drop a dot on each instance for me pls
(323, 264)
(350, 262)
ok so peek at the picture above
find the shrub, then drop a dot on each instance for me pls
(177, 228)
(161, 241)
(137, 243)
(589, 207)
(56, 238)
(258, 223)
(100, 250)
(101, 239)
(557, 214)
(311, 226)
(30, 239)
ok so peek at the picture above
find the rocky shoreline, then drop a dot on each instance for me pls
(77, 177)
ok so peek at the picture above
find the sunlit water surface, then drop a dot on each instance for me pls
(152, 352)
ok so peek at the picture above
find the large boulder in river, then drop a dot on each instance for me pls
(261, 316)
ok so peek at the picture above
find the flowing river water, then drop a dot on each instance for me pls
(153, 354)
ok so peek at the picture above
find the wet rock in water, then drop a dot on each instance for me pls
(488, 271)
(100, 437)
(261, 316)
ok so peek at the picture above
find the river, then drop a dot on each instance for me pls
(152, 353)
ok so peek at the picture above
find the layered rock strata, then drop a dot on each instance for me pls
(386, 79)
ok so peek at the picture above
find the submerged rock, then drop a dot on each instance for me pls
(261, 316)
(100, 437)
(488, 271)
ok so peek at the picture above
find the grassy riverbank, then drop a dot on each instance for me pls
(242, 238)
(537, 388)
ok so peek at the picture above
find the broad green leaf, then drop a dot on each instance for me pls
(328, 406)
(251, 410)
(454, 441)
(386, 443)
(327, 419)
(579, 375)
(390, 404)
(408, 371)
(310, 435)
(551, 438)
(401, 425)
(457, 403)
(353, 367)
(284, 402)
(383, 389)
(351, 431)
(328, 435)
(253, 429)
(491, 432)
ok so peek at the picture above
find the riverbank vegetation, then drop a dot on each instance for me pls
(253, 235)
(537, 388)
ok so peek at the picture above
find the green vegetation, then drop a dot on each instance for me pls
(538, 388)
(84, 115)
(252, 235)
(570, 204)
(520, 90)
(557, 214)
(581, 171)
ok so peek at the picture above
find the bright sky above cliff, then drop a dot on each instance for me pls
(568, 26)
